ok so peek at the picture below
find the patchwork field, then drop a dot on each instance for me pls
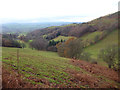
(47, 69)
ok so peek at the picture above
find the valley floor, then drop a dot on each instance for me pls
(42, 69)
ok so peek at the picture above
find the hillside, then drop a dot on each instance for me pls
(110, 39)
(42, 69)
(68, 65)
(85, 31)
(90, 36)
(108, 22)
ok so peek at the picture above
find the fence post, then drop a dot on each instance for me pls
(18, 60)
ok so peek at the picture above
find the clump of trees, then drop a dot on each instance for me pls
(53, 35)
(52, 45)
(12, 43)
(43, 44)
(39, 44)
(110, 56)
(10, 36)
(11, 40)
(72, 48)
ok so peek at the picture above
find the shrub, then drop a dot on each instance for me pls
(96, 39)
(85, 56)
(94, 62)
(60, 49)
(52, 48)
(23, 45)
(110, 56)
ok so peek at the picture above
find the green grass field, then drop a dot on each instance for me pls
(111, 39)
(43, 65)
(40, 64)
(90, 36)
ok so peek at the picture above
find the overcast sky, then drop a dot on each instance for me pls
(57, 10)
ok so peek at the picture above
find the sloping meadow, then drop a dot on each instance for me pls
(43, 69)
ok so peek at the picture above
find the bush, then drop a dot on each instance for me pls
(93, 62)
(60, 49)
(52, 48)
(110, 56)
(23, 45)
(72, 48)
(96, 38)
(85, 56)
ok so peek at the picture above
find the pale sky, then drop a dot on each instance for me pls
(60, 10)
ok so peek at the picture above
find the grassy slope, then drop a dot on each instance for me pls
(111, 39)
(40, 64)
(43, 65)
(90, 36)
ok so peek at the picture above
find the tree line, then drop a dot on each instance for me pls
(43, 44)
(11, 40)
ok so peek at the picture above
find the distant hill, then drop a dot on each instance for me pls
(27, 27)
(108, 22)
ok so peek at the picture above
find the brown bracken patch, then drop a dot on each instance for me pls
(89, 80)
(97, 69)
(11, 79)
